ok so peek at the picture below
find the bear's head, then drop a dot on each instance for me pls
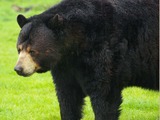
(39, 47)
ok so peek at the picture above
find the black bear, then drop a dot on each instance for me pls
(93, 48)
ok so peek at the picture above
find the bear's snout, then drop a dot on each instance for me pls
(25, 65)
(18, 69)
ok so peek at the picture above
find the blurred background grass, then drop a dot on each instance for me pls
(34, 98)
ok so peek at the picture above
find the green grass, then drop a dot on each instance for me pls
(140, 104)
(34, 98)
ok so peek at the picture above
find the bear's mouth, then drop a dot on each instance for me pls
(41, 71)
(24, 74)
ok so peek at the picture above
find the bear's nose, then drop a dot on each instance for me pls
(18, 69)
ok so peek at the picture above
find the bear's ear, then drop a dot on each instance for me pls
(21, 20)
(56, 21)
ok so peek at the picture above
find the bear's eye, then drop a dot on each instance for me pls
(19, 50)
(31, 52)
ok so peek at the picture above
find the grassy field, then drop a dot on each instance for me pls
(34, 98)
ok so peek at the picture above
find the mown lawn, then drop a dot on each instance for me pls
(34, 98)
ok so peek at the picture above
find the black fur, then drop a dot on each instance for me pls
(96, 48)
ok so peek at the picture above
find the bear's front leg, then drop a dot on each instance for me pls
(106, 104)
(70, 97)
(71, 101)
(69, 93)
